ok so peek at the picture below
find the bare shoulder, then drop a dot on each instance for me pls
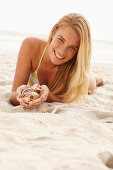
(34, 45)
(32, 42)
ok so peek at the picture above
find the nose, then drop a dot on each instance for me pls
(62, 50)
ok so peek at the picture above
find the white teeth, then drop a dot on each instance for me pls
(58, 56)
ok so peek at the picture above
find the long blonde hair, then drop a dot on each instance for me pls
(72, 78)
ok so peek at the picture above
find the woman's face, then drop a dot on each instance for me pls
(64, 45)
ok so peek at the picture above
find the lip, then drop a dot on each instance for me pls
(57, 56)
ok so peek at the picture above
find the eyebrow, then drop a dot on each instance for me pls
(71, 45)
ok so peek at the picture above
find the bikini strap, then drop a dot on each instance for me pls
(41, 58)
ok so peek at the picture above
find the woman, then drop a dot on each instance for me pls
(60, 65)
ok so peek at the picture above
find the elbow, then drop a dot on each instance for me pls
(92, 84)
(13, 100)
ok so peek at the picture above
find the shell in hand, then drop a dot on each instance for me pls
(30, 94)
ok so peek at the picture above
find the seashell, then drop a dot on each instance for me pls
(30, 94)
(36, 88)
(26, 99)
(27, 91)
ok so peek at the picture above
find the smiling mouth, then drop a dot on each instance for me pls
(58, 56)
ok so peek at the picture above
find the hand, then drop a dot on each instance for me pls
(19, 95)
(43, 97)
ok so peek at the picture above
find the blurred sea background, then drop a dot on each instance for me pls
(23, 18)
(10, 42)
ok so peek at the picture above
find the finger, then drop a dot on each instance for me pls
(30, 107)
(44, 97)
(21, 88)
(34, 103)
(24, 104)
(19, 99)
(37, 100)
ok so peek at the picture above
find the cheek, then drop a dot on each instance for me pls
(71, 54)
(51, 48)
(54, 43)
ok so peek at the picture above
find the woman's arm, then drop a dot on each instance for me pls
(45, 95)
(23, 68)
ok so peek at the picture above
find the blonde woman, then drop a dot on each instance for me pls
(60, 65)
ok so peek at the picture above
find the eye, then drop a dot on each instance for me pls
(73, 48)
(60, 40)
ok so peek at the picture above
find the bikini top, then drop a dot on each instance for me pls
(33, 78)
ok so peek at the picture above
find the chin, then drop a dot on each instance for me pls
(55, 62)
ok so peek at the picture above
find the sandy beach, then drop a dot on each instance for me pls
(56, 136)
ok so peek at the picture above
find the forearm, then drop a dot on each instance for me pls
(13, 99)
(54, 98)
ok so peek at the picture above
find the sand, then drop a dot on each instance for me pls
(56, 136)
